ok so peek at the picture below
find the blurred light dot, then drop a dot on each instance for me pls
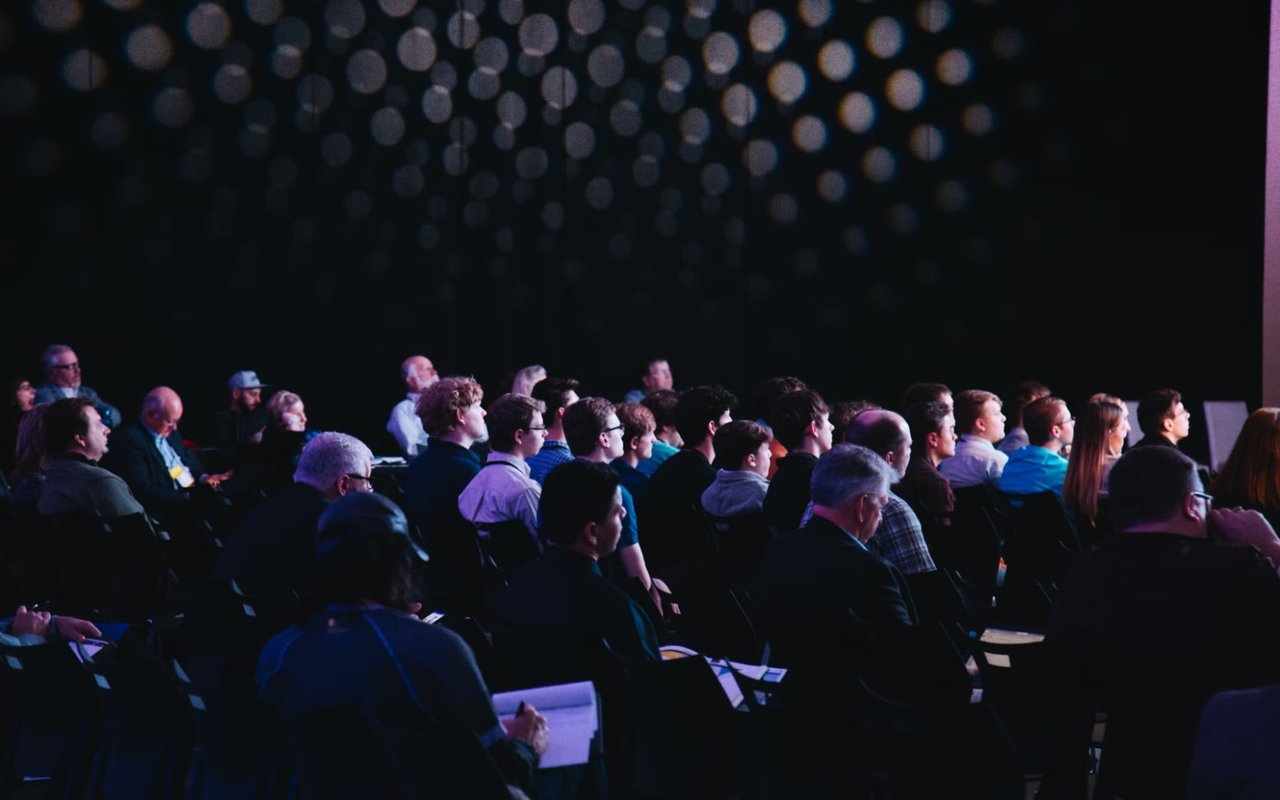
(511, 11)
(720, 53)
(148, 48)
(787, 81)
(538, 35)
(670, 101)
(17, 95)
(855, 239)
(336, 149)
(715, 179)
(879, 164)
(676, 74)
(315, 94)
(504, 137)
(783, 209)
(832, 186)
(599, 193)
(809, 134)
(605, 65)
(954, 67)
(208, 26)
(559, 87)
(651, 45)
(646, 171)
(766, 30)
(366, 71)
(345, 18)
(463, 30)
(836, 60)
(739, 105)
(387, 126)
(396, 8)
(1007, 43)
(857, 112)
(625, 118)
(172, 107)
(109, 131)
(933, 15)
(815, 13)
(456, 160)
(293, 31)
(84, 70)
(553, 215)
(531, 163)
(443, 74)
(952, 196)
(904, 89)
(884, 37)
(586, 16)
(760, 157)
(124, 5)
(231, 83)
(701, 9)
(512, 109)
(408, 181)
(579, 140)
(903, 218)
(437, 104)
(658, 17)
(491, 55)
(928, 142)
(416, 49)
(58, 16)
(463, 130)
(484, 85)
(286, 61)
(254, 140)
(263, 12)
(978, 120)
(695, 126)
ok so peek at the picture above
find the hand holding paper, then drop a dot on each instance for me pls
(529, 727)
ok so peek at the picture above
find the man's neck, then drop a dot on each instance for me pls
(458, 437)
(1170, 438)
(1054, 446)
(835, 517)
(706, 447)
(807, 445)
(1178, 527)
(631, 458)
(598, 456)
(507, 455)
(934, 458)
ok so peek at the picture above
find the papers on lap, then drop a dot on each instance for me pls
(572, 716)
(724, 670)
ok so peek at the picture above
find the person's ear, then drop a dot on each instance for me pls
(634, 444)
(519, 436)
(751, 461)
(933, 439)
(589, 534)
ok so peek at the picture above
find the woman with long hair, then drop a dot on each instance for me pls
(1101, 428)
(1251, 476)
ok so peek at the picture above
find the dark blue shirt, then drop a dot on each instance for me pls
(437, 477)
(554, 452)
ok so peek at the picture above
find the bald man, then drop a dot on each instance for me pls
(149, 454)
(418, 373)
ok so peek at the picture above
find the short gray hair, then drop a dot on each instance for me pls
(328, 457)
(847, 470)
(51, 353)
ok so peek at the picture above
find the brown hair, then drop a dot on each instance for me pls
(440, 403)
(1089, 456)
(1251, 476)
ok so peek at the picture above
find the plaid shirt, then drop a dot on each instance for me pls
(899, 539)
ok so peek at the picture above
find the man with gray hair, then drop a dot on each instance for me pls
(273, 548)
(62, 379)
(404, 425)
(826, 565)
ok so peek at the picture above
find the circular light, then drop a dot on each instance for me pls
(512, 109)
(366, 71)
(832, 186)
(463, 30)
(836, 60)
(646, 171)
(491, 55)
(579, 140)
(605, 65)
(336, 149)
(954, 67)
(511, 11)
(416, 49)
(952, 196)
(739, 105)
(809, 134)
(148, 48)
(293, 31)
(676, 74)
(720, 53)
(315, 94)
(84, 70)
(651, 45)
(58, 16)
(766, 31)
(884, 37)
(208, 26)
(783, 209)
(408, 181)
(815, 13)
(387, 126)
(263, 12)
(586, 16)
(787, 81)
(978, 120)
(857, 112)
(695, 126)
(345, 18)
(538, 35)
(933, 15)
(396, 8)
(531, 163)
(904, 89)
(286, 61)
(760, 157)
(172, 107)
(559, 87)
(625, 118)
(599, 193)
(715, 179)
(879, 164)
(232, 84)
(927, 143)
(437, 104)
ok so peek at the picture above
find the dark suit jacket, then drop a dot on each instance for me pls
(788, 494)
(821, 568)
(274, 547)
(132, 455)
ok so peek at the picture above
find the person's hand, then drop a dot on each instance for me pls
(213, 481)
(75, 630)
(1245, 527)
(34, 622)
(529, 727)
(661, 594)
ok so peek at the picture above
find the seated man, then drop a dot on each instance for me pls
(744, 452)
(62, 379)
(75, 439)
(666, 439)
(273, 547)
(1020, 396)
(826, 566)
(1163, 418)
(802, 422)
(638, 426)
(980, 423)
(1040, 466)
(364, 648)
(502, 490)
(404, 425)
(245, 419)
(582, 518)
(1172, 608)
(657, 378)
(557, 394)
(933, 439)
(451, 413)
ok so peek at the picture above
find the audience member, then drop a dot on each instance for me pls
(842, 413)
(282, 441)
(933, 440)
(62, 380)
(27, 478)
(557, 394)
(899, 538)
(1099, 435)
(826, 565)
(582, 520)
(27, 628)
(273, 547)
(245, 419)
(980, 422)
(502, 490)
(1163, 418)
(638, 426)
(1021, 396)
(927, 393)
(676, 488)
(452, 416)
(657, 378)
(21, 399)
(75, 439)
(405, 427)
(1251, 476)
(802, 422)
(527, 378)
(763, 400)
(744, 454)
(666, 438)
(1040, 466)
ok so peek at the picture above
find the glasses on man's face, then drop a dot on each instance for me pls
(68, 367)
(1067, 421)
(533, 428)
(1206, 497)
(614, 428)
(366, 479)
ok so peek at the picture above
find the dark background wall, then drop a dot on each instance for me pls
(864, 194)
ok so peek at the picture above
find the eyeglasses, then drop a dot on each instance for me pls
(533, 428)
(368, 480)
(614, 428)
(1205, 496)
(71, 366)
(1067, 421)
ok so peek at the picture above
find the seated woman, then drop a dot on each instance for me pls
(1101, 428)
(282, 441)
(21, 397)
(1251, 476)
(27, 478)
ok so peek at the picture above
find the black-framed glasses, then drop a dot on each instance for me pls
(533, 428)
(368, 479)
(1067, 421)
(1205, 496)
(614, 428)
(72, 365)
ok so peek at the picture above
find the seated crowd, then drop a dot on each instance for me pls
(550, 518)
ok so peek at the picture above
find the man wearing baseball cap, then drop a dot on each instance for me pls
(241, 425)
